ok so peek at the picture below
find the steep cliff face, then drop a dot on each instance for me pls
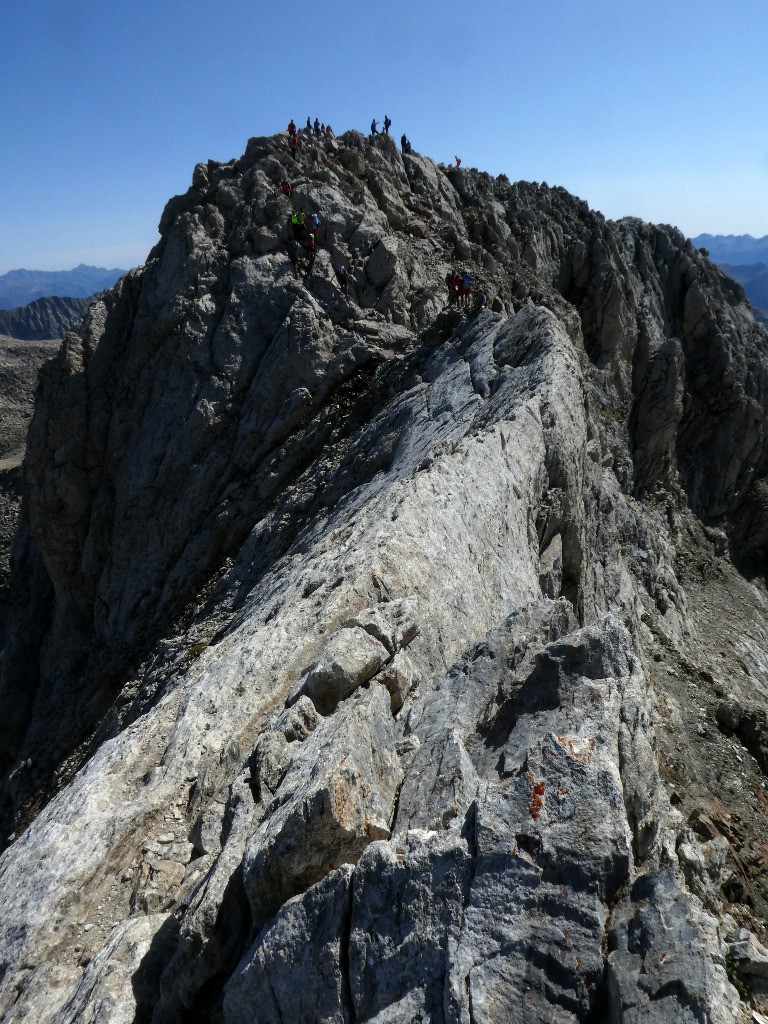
(371, 660)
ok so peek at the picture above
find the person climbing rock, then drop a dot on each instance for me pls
(458, 161)
(302, 222)
(481, 301)
(387, 124)
(311, 252)
(291, 128)
(316, 223)
(374, 127)
(294, 145)
(293, 255)
(343, 278)
(285, 187)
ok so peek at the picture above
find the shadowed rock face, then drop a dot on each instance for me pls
(368, 660)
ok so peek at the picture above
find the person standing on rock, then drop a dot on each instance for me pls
(466, 288)
(374, 127)
(291, 128)
(311, 251)
(317, 126)
(451, 279)
(294, 144)
(301, 219)
(458, 161)
(387, 124)
(343, 278)
(309, 125)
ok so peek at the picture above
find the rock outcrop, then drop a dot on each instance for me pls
(374, 660)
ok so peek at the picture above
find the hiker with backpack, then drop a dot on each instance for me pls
(465, 287)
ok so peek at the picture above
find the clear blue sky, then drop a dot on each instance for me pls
(652, 108)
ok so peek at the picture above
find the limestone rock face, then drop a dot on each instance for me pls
(369, 660)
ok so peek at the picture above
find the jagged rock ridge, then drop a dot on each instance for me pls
(360, 649)
(46, 318)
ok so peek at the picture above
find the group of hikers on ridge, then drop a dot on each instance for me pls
(306, 236)
(318, 130)
(460, 291)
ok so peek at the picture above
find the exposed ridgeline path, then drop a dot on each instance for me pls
(369, 662)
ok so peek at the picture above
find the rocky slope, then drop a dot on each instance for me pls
(43, 319)
(373, 661)
(19, 366)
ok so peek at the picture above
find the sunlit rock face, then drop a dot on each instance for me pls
(371, 658)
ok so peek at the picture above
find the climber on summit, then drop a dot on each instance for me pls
(309, 125)
(387, 124)
(291, 128)
(404, 143)
(374, 128)
(317, 126)
(458, 161)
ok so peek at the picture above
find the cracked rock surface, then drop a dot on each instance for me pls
(369, 660)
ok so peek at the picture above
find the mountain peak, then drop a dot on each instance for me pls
(377, 643)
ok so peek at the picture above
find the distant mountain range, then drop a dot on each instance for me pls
(737, 250)
(745, 259)
(20, 287)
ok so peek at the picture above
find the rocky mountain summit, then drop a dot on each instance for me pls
(370, 660)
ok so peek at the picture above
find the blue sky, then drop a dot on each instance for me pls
(651, 109)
